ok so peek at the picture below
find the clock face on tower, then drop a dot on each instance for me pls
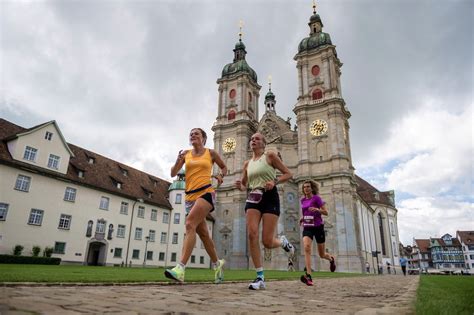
(229, 145)
(318, 127)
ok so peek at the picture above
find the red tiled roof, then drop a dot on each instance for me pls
(99, 175)
(368, 192)
(423, 245)
(466, 237)
(443, 244)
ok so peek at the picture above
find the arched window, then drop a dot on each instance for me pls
(250, 98)
(382, 235)
(231, 115)
(317, 94)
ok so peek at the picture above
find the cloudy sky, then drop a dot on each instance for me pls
(128, 79)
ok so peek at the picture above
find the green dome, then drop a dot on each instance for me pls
(314, 41)
(240, 45)
(315, 18)
(238, 66)
(177, 185)
(270, 96)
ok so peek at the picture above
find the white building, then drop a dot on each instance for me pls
(92, 210)
(467, 243)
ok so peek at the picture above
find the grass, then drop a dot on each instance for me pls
(90, 274)
(445, 295)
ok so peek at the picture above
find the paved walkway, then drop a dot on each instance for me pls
(358, 295)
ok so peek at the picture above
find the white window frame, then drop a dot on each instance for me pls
(100, 226)
(23, 183)
(30, 154)
(178, 199)
(164, 237)
(151, 235)
(154, 215)
(177, 218)
(70, 194)
(104, 203)
(141, 212)
(124, 208)
(175, 238)
(65, 222)
(166, 217)
(138, 233)
(121, 231)
(3, 211)
(53, 161)
(35, 217)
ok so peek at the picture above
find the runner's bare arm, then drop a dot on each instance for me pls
(179, 163)
(216, 158)
(241, 184)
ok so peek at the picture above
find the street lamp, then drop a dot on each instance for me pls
(130, 229)
(147, 238)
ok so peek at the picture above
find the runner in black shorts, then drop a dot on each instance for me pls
(263, 203)
(312, 208)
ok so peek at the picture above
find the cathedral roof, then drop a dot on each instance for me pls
(370, 194)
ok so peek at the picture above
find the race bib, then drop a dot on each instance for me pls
(255, 196)
(308, 220)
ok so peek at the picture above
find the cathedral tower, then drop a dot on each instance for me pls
(236, 121)
(323, 141)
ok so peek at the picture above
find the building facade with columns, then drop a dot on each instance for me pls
(362, 222)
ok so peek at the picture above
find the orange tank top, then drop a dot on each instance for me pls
(198, 174)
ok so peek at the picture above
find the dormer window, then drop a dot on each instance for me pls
(80, 174)
(30, 154)
(119, 185)
(53, 161)
(48, 135)
(91, 160)
(150, 195)
(124, 173)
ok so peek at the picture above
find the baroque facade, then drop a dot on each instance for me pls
(362, 224)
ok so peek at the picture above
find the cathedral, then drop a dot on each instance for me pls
(362, 223)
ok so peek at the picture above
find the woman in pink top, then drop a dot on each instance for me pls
(312, 208)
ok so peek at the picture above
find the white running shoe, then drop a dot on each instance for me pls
(287, 246)
(257, 284)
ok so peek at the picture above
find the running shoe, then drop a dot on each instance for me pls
(219, 268)
(177, 273)
(287, 246)
(257, 284)
(306, 279)
(332, 264)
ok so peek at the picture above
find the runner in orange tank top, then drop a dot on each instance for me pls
(200, 199)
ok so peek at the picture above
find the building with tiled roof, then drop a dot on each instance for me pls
(446, 253)
(89, 208)
(421, 254)
(466, 238)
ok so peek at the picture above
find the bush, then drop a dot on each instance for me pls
(11, 259)
(47, 252)
(17, 250)
(36, 250)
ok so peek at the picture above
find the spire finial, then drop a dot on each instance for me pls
(270, 82)
(314, 6)
(241, 24)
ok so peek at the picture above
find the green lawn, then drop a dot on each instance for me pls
(89, 274)
(445, 295)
